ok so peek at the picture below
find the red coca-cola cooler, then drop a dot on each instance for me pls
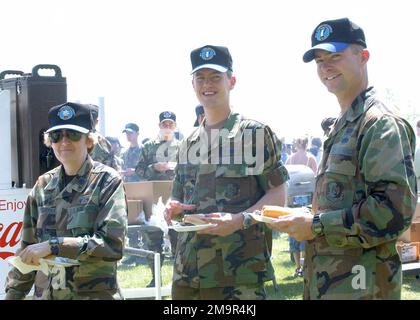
(31, 96)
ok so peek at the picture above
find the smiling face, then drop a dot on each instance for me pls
(70, 153)
(212, 87)
(343, 73)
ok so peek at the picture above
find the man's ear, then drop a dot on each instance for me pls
(365, 55)
(232, 81)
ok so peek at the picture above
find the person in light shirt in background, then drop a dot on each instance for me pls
(301, 156)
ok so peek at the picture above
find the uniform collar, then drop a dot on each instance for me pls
(359, 106)
(232, 124)
(78, 183)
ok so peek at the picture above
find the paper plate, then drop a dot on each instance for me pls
(66, 262)
(197, 227)
(261, 218)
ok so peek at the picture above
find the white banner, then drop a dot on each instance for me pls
(12, 207)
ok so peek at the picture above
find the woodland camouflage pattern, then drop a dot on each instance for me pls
(92, 208)
(242, 258)
(148, 157)
(366, 193)
(102, 153)
(130, 160)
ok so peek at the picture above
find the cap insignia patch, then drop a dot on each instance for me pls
(66, 112)
(207, 53)
(323, 32)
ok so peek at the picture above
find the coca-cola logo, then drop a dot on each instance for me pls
(10, 231)
(9, 237)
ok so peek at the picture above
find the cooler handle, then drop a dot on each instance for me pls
(10, 72)
(54, 67)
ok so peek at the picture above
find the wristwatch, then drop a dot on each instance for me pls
(247, 221)
(54, 245)
(317, 226)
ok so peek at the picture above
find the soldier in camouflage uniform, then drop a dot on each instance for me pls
(365, 192)
(102, 150)
(132, 155)
(158, 156)
(232, 259)
(156, 162)
(76, 211)
(130, 160)
(115, 149)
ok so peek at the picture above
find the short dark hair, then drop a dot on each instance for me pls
(94, 110)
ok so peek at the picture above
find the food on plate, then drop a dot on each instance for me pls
(275, 211)
(198, 218)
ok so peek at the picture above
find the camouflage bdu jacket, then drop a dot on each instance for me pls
(130, 160)
(102, 153)
(366, 194)
(157, 151)
(243, 257)
(91, 208)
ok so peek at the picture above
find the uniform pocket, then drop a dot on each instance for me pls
(344, 167)
(234, 188)
(187, 176)
(337, 185)
(342, 273)
(81, 219)
(46, 224)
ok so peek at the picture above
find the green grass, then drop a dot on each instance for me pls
(289, 287)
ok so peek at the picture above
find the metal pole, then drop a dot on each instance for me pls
(158, 277)
(101, 116)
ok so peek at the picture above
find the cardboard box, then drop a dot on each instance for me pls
(135, 207)
(417, 213)
(408, 252)
(149, 192)
(412, 234)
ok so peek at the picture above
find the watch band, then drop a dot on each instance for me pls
(247, 221)
(317, 226)
(54, 246)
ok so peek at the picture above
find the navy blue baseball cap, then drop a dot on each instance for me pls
(73, 116)
(213, 57)
(131, 127)
(335, 36)
(167, 115)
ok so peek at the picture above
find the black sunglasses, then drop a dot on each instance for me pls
(73, 135)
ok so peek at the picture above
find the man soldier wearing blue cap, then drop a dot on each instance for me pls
(365, 188)
(130, 159)
(158, 156)
(157, 162)
(230, 260)
(76, 211)
(132, 155)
